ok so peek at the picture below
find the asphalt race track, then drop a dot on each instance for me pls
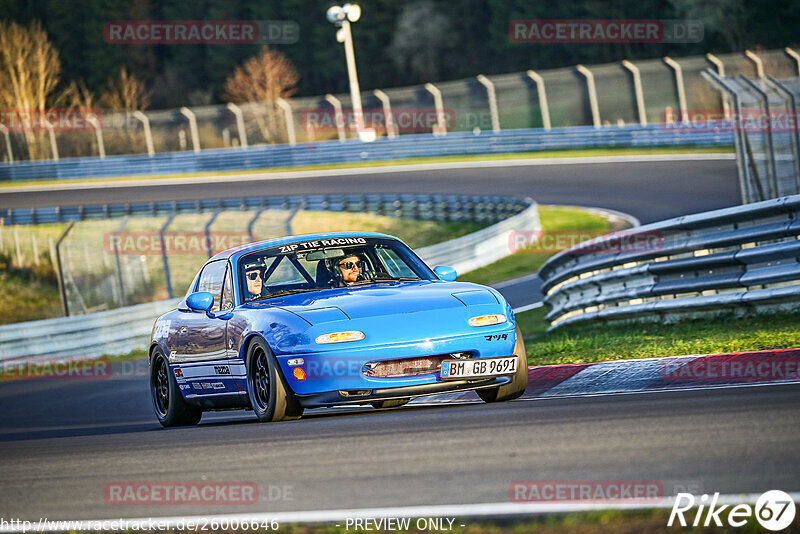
(650, 191)
(63, 441)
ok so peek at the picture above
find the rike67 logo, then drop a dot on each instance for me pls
(774, 510)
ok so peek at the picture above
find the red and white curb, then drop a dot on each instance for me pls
(697, 371)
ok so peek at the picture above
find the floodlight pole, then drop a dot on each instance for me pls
(355, 90)
(341, 17)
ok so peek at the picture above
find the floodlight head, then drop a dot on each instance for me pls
(336, 15)
(353, 12)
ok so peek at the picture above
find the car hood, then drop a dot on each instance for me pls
(384, 299)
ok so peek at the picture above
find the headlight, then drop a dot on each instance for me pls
(486, 320)
(340, 337)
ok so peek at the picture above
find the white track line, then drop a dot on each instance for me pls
(460, 511)
(529, 307)
(514, 281)
(67, 183)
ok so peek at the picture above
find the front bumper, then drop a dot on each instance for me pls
(335, 398)
(335, 368)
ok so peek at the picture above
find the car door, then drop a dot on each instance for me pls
(201, 338)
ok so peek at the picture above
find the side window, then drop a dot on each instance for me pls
(396, 266)
(227, 292)
(211, 280)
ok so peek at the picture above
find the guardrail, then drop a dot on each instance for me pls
(413, 206)
(351, 151)
(743, 260)
(121, 330)
(483, 247)
(94, 334)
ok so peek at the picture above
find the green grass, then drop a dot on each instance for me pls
(27, 298)
(135, 354)
(416, 233)
(532, 323)
(575, 153)
(594, 343)
(567, 223)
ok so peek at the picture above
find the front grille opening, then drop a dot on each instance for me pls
(420, 365)
(355, 392)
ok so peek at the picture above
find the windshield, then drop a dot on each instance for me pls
(327, 263)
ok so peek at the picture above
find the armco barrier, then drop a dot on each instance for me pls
(742, 259)
(330, 152)
(483, 247)
(121, 330)
(412, 206)
(95, 334)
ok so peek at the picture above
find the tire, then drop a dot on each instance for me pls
(517, 386)
(392, 403)
(270, 397)
(170, 407)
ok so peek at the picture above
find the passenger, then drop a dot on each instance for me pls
(255, 283)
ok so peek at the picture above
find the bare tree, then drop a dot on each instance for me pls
(29, 73)
(264, 79)
(126, 92)
(79, 99)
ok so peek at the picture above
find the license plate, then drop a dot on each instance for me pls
(452, 369)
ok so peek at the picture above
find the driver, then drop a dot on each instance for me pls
(253, 275)
(350, 267)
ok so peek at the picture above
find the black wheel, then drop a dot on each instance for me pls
(393, 403)
(170, 407)
(517, 386)
(270, 397)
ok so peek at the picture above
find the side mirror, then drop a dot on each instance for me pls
(200, 301)
(448, 274)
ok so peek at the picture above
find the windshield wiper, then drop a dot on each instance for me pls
(384, 281)
(283, 293)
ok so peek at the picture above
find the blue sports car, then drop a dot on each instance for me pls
(329, 319)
